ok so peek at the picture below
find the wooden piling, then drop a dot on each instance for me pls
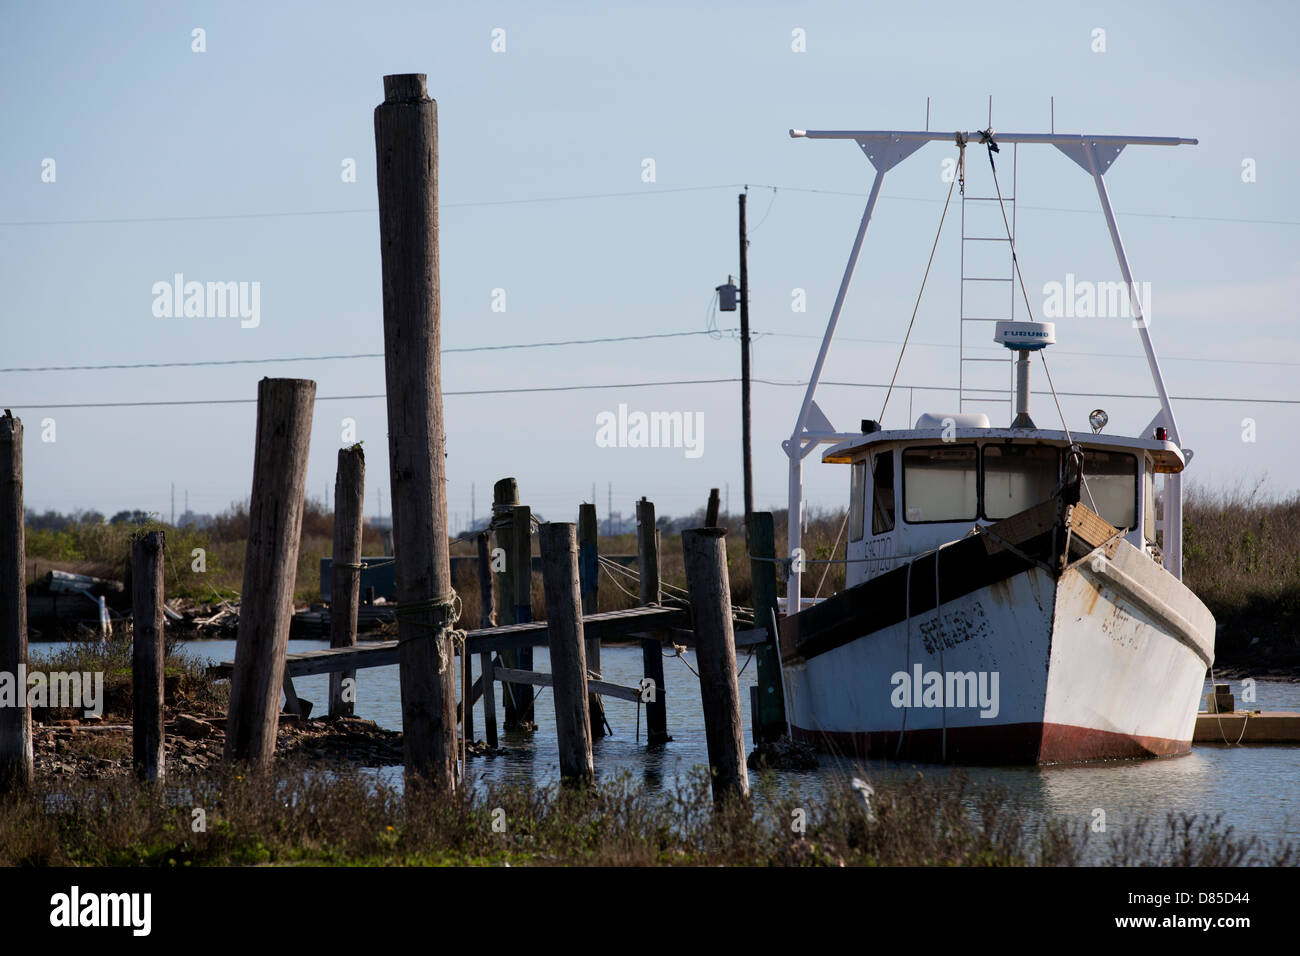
(589, 580)
(406, 152)
(505, 495)
(486, 613)
(284, 414)
(559, 545)
(345, 569)
(148, 742)
(489, 700)
(16, 763)
(521, 556)
(762, 572)
(704, 552)
(652, 658)
(711, 511)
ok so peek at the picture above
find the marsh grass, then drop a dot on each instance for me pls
(296, 816)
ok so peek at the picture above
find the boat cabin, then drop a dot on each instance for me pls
(913, 490)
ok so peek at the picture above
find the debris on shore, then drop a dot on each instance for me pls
(783, 754)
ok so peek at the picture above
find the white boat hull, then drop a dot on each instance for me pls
(1106, 660)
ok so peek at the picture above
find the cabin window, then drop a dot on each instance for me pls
(1111, 479)
(1017, 477)
(940, 484)
(882, 493)
(857, 491)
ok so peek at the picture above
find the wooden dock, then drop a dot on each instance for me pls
(605, 624)
(1248, 727)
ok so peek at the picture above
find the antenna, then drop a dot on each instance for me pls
(990, 111)
(927, 114)
(1053, 115)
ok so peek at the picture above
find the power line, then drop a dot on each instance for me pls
(586, 197)
(676, 382)
(353, 355)
(711, 332)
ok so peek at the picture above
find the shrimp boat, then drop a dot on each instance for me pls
(1012, 596)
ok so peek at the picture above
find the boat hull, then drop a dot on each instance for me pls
(1102, 660)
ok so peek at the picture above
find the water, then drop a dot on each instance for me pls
(1254, 788)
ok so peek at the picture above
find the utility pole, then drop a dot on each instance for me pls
(173, 504)
(744, 362)
(609, 511)
(473, 506)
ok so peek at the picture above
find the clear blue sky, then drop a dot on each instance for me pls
(145, 130)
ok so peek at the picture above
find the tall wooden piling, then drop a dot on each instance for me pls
(762, 572)
(16, 763)
(406, 153)
(345, 570)
(284, 413)
(559, 545)
(147, 657)
(522, 558)
(588, 581)
(652, 658)
(704, 551)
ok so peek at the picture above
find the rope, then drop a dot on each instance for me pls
(1218, 717)
(921, 292)
(678, 650)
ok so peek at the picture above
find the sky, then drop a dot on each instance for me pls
(590, 159)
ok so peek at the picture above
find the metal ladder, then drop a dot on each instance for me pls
(973, 387)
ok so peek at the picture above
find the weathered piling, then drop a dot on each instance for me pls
(588, 581)
(652, 658)
(560, 580)
(148, 742)
(284, 413)
(770, 724)
(487, 618)
(345, 571)
(486, 612)
(15, 722)
(406, 153)
(505, 496)
(522, 558)
(704, 551)
(711, 510)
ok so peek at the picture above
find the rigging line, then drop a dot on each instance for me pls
(835, 548)
(921, 291)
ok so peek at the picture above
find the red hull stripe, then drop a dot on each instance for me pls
(1025, 743)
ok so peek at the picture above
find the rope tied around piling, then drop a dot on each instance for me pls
(446, 613)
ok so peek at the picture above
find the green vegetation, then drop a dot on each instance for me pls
(296, 817)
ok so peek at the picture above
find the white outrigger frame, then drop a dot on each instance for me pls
(885, 150)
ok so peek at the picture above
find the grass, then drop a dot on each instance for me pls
(296, 817)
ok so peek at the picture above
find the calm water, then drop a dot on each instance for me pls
(1256, 789)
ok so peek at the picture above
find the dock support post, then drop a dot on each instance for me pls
(652, 658)
(505, 495)
(284, 413)
(711, 511)
(762, 572)
(704, 552)
(406, 154)
(345, 571)
(148, 747)
(489, 699)
(559, 546)
(522, 558)
(589, 578)
(16, 759)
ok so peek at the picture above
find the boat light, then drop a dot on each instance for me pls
(1098, 418)
(1162, 434)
